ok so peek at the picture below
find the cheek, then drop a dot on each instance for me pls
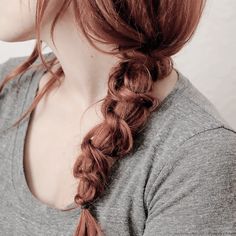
(17, 20)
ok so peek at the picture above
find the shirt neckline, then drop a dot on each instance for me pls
(30, 205)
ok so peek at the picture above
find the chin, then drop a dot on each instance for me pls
(17, 20)
(15, 36)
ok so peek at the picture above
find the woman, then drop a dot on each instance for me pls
(151, 156)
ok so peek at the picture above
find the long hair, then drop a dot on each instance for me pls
(145, 34)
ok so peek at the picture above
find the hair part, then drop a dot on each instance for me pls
(145, 34)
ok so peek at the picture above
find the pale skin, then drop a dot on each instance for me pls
(48, 161)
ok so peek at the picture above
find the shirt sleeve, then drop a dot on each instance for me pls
(195, 193)
(4, 68)
(1, 71)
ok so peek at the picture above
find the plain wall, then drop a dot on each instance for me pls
(207, 60)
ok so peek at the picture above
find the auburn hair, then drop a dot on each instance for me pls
(145, 35)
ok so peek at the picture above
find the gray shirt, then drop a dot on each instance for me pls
(180, 178)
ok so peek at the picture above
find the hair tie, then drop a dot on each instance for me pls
(149, 45)
(85, 205)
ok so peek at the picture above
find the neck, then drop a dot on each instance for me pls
(85, 69)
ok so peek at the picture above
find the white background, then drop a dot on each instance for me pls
(208, 60)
